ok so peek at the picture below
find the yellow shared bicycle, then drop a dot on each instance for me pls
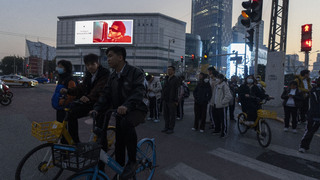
(38, 163)
(260, 125)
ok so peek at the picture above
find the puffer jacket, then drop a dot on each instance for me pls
(128, 91)
(221, 95)
(155, 87)
(202, 93)
(301, 87)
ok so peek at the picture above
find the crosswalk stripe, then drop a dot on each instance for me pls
(182, 171)
(283, 150)
(258, 165)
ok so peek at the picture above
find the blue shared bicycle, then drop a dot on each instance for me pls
(84, 158)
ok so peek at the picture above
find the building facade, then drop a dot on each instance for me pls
(157, 40)
(293, 65)
(212, 20)
(36, 54)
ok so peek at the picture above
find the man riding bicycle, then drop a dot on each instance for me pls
(88, 92)
(124, 92)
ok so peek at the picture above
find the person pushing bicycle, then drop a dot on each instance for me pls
(124, 92)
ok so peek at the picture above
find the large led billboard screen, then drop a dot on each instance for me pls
(104, 32)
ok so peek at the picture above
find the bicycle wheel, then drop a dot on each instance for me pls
(37, 164)
(5, 101)
(111, 137)
(86, 176)
(264, 134)
(241, 126)
(146, 158)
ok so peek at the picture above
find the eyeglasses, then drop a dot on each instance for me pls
(113, 29)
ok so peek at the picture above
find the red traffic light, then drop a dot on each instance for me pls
(307, 28)
(181, 57)
(306, 37)
(192, 56)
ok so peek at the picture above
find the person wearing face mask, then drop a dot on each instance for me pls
(213, 81)
(292, 98)
(260, 83)
(65, 79)
(202, 94)
(250, 96)
(221, 96)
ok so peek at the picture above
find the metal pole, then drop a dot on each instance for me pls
(135, 49)
(168, 52)
(256, 51)
(306, 60)
(14, 64)
(245, 57)
(236, 63)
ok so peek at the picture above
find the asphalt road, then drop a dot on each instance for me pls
(183, 155)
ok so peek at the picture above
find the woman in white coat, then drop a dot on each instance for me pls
(220, 99)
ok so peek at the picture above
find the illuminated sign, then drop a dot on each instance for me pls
(104, 32)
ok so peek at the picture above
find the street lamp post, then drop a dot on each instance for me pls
(170, 40)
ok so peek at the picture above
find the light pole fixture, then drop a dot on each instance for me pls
(170, 41)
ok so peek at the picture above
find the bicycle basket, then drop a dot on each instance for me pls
(267, 114)
(47, 131)
(76, 158)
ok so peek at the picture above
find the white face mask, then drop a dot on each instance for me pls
(249, 81)
(206, 80)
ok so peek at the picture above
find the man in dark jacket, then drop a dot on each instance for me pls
(313, 118)
(170, 100)
(124, 92)
(88, 92)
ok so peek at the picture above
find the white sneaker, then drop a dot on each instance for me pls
(302, 150)
(149, 119)
(285, 129)
(294, 131)
(193, 129)
(201, 130)
(177, 118)
(156, 120)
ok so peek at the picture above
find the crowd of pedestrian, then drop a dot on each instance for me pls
(138, 97)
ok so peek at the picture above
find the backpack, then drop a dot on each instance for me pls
(57, 96)
(186, 90)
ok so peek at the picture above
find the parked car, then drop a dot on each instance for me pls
(42, 80)
(17, 80)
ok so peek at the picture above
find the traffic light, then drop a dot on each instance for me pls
(306, 37)
(181, 57)
(246, 13)
(205, 56)
(250, 38)
(192, 57)
(252, 12)
(256, 13)
(28, 67)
